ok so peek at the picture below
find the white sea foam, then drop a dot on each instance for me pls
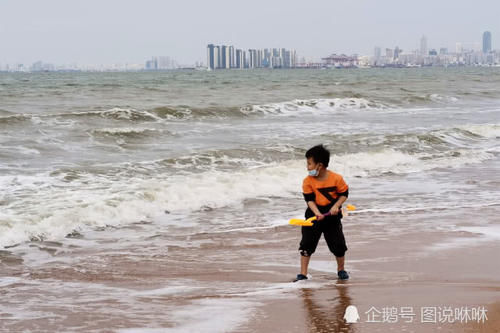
(44, 207)
(313, 106)
(127, 131)
(172, 290)
(8, 280)
(393, 161)
(487, 232)
(126, 113)
(207, 315)
(478, 236)
(443, 98)
(19, 150)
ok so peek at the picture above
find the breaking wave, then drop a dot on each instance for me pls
(183, 112)
(59, 208)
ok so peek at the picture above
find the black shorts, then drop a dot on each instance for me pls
(331, 227)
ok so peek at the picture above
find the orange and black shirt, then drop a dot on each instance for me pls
(324, 192)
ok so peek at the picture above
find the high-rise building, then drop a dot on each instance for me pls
(165, 63)
(423, 46)
(259, 57)
(486, 42)
(231, 57)
(397, 52)
(211, 56)
(227, 57)
(152, 64)
(223, 53)
(252, 54)
(217, 62)
(266, 60)
(239, 59)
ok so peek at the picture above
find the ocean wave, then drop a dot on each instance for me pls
(128, 132)
(426, 98)
(57, 208)
(186, 112)
(287, 108)
(13, 118)
(438, 140)
(121, 114)
(128, 114)
(390, 161)
(280, 108)
(483, 130)
(442, 98)
(313, 106)
(5, 113)
(490, 94)
(229, 159)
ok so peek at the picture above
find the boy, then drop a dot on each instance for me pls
(324, 192)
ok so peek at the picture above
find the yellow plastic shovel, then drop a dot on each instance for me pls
(309, 221)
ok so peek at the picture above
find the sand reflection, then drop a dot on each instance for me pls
(326, 308)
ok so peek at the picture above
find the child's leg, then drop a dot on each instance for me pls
(335, 240)
(304, 263)
(340, 263)
(308, 244)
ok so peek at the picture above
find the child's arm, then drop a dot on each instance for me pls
(343, 193)
(315, 210)
(336, 207)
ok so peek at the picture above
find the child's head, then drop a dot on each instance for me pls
(317, 157)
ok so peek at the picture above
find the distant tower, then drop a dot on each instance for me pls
(397, 52)
(423, 46)
(231, 57)
(239, 60)
(217, 57)
(486, 42)
(227, 57)
(210, 56)
(223, 53)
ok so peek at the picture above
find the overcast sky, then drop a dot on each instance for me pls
(130, 31)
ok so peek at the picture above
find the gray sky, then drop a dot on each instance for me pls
(119, 31)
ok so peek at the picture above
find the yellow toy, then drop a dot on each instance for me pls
(309, 221)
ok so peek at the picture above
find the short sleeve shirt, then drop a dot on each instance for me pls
(325, 191)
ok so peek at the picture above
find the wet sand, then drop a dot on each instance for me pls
(240, 282)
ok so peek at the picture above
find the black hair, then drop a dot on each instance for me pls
(319, 154)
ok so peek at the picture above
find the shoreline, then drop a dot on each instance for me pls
(240, 282)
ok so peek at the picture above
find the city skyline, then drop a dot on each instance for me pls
(96, 32)
(229, 57)
(478, 45)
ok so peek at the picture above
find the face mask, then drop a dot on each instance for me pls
(313, 172)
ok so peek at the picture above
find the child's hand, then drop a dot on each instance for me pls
(319, 217)
(334, 210)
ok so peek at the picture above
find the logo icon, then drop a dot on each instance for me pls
(351, 315)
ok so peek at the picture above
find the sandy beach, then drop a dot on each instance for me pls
(251, 273)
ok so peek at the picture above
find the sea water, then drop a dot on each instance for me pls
(100, 170)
